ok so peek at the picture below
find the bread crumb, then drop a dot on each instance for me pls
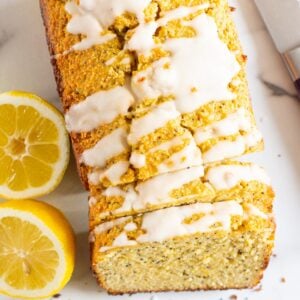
(274, 255)
(233, 297)
(282, 279)
(56, 296)
(258, 289)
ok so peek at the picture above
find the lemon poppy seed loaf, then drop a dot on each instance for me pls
(156, 102)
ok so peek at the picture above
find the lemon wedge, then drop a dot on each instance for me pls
(37, 249)
(34, 146)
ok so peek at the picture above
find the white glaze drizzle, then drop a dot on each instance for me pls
(130, 198)
(109, 225)
(252, 210)
(189, 156)
(120, 241)
(92, 17)
(168, 223)
(92, 201)
(98, 109)
(113, 173)
(138, 160)
(155, 119)
(108, 147)
(230, 125)
(112, 60)
(229, 149)
(153, 191)
(236, 82)
(85, 23)
(177, 140)
(198, 70)
(157, 189)
(142, 40)
(154, 81)
(123, 240)
(228, 176)
(130, 226)
(124, 61)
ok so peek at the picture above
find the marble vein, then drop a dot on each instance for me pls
(276, 90)
(4, 38)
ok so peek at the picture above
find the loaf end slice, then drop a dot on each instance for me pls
(218, 246)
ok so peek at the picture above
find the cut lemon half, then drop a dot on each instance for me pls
(34, 146)
(37, 249)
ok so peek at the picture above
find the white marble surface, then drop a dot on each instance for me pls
(24, 65)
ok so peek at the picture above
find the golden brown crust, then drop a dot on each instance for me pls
(52, 40)
(46, 21)
(116, 293)
(66, 65)
(45, 12)
(55, 20)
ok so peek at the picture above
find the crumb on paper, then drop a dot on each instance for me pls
(274, 255)
(278, 155)
(233, 297)
(258, 289)
(232, 8)
(282, 279)
(56, 296)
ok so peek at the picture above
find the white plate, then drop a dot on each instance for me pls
(24, 64)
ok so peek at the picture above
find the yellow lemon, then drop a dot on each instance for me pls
(37, 249)
(34, 146)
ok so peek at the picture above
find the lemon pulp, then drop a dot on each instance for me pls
(27, 261)
(37, 249)
(34, 149)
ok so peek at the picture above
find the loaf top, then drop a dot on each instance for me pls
(151, 87)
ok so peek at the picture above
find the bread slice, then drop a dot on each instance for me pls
(195, 247)
(101, 68)
(245, 182)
